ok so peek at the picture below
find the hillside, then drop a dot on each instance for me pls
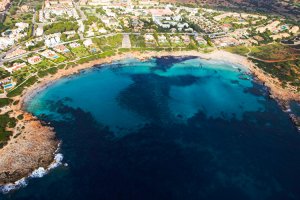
(290, 8)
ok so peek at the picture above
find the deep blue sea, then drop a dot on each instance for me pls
(163, 129)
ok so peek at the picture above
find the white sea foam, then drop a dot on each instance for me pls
(13, 186)
(38, 173)
(57, 161)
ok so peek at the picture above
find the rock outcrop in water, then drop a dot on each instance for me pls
(33, 146)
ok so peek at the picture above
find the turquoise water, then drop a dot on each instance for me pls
(166, 128)
(98, 92)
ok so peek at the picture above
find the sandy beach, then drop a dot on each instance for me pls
(36, 144)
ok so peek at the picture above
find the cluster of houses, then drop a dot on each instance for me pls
(168, 21)
(173, 39)
(57, 8)
(9, 37)
(206, 25)
(16, 66)
(240, 17)
(106, 2)
(278, 29)
(4, 5)
(95, 29)
(52, 40)
(15, 53)
(6, 83)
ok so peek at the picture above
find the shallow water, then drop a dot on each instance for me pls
(168, 128)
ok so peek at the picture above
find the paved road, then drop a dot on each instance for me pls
(83, 17)
(126, 41)
(33, 23)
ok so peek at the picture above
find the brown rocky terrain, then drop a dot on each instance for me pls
(32, 146)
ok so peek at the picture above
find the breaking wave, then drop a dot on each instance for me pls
(38, 173)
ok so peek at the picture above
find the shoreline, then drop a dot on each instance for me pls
(273, 84)
(36, 143)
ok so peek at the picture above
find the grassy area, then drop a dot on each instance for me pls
(5, 102)
(60, 59)
(44, 64)
(43, 73)
(241, 50)
(137, 41)
(19, 89)
(4, 73)
(80, 51)
(115, 41)
(6, 122)
(100, 41)
(274, 52)
(287, 72)
(61, 27)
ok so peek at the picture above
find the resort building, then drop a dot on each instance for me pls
(200, 40)
(88, 42)
(175, 39)
(149, 38)
(15, 67)
(34, 60)
(61, 49)
(6, 42)
(39, 31)
(74, 45)
(162, 39)
(52, 41)
(186, 39)
(15, 53)
(271, 27)
(225, 41)
(49, 54)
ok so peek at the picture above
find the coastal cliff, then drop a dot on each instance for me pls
(32, 146)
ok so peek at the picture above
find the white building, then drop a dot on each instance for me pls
(5, 42)
(87, 43)
(39, 31)
(53, 41)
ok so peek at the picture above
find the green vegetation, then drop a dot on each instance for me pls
(109, 43)
(44, 64)
(287, 72)
(60, 59)
(3, 73)
(37, 45)
(19, 89)
(241, 50)
(43, 73)
(20, 117)
(192, 46)
(6, 122)
(80, 51)
(274, 52)
(115, 41)
(137, 41)
(5, 102)
(61, 27)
